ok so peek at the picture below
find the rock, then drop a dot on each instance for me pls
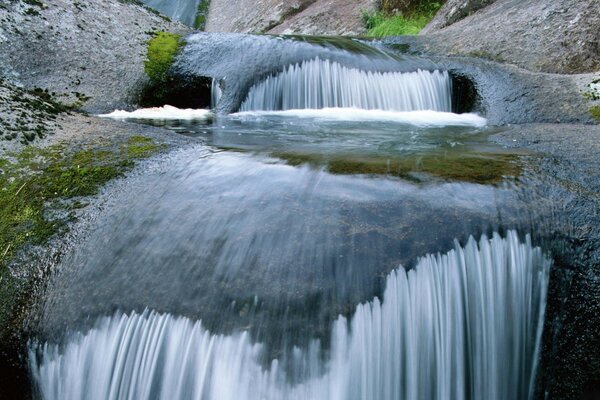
(559, 36)
(453, 11)
(314, 17)
(564, 175)
(95, 48)
(328, 17)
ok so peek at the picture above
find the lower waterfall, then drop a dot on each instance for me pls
(326, 84)
(462, 325)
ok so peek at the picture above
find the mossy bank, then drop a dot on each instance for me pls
(43, 191)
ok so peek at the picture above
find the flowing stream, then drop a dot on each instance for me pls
(454, 327)
(334, 239)
(323, 84)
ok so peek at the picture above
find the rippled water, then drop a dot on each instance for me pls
(250, 247)
(463, 325)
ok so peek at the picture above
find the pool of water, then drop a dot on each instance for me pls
(251, 229)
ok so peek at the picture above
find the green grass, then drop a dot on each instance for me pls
(379, 24)
(162, 49)
(595, 111)
(37, 181)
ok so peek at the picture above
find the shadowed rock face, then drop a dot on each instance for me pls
(313, 17)
(96, 50)
(558, 36)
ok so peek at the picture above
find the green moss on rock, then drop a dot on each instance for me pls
(484, 168)
(162, 49)
(39, 180)
(595, 112)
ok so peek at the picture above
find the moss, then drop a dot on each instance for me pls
(486, 55)
(484, 168)
(38, 180)
(595, 112)
(167, 86)
(141, 147)
(162, 49)
(201, 14)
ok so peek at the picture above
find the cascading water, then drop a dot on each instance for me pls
(321, 83)
(463, 325)
(181, 10)
(215, 93)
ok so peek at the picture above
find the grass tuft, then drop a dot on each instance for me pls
(380, 24)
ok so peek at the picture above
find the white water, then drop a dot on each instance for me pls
(464, 325)
(325, 84)
(181, 10)
(215, 93)
(423, 118)
(161, 113)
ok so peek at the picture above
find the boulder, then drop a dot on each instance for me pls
(559, 36)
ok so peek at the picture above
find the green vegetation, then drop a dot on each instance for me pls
(39, 190)
(484, 168)
(593, 93)
(162, 49)
(201, 14)
(486, 55)
(595, 111)
(141, 147)
(408, 22)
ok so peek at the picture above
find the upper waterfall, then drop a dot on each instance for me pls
(319, 83)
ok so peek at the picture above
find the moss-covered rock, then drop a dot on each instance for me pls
(166, 86)
(595, 112)
(484, 168)
(162, 50)
(39, 189)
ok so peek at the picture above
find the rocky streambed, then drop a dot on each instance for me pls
(94, 56)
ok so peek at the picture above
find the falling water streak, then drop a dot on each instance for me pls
(325, 84)
(215, 93)
(463, 325)
(181, 10)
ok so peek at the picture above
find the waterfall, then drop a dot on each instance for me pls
(463, 325)
(325, 84)
(180, 10)
(215, 93)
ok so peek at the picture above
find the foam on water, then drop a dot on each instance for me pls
(425, 118)
(161, 113)
(463, 325)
